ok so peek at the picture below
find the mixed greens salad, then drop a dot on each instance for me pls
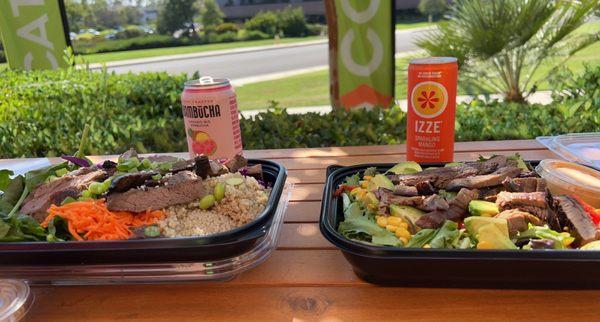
(494, 203)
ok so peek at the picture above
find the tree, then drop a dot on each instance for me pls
(212, 15)
(501, 44)
(432, 8)
(264, 21)
(175, 15)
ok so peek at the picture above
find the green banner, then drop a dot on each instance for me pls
(33, 33)
(363, 53)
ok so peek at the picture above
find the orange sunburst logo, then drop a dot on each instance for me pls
(429, 99)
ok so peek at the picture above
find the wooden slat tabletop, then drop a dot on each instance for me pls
(307, 278)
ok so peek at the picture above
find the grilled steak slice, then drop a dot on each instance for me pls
(54, 192)
(181, 188)
(486, 180)
(438, 177)
(236, 163)
(407, 191)
(510, 200)
(254, 171)
(530, 184)
(131, 180)
(492, 164)
(456, 211)
(518, 220)
(425, 188)
(430, 203)
(432, 220)
(535, 203)
(200, 164)
(572, 214)
(489, 193)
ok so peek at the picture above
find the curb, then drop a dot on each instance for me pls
(140, 61)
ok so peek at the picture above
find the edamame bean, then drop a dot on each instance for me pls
(219, 191)
(207, 202)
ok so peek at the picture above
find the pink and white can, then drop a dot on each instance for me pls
(211, 118)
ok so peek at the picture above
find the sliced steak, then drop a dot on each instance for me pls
(437, 177)
(574, 216)
(486, 180)
(489, 193)
(255, 171)
(236, 163)
(535, 203)
(529, 184)
(131, 180)
(430, 203)
(55, 192)
(457, 210)
(425, 188)
(181, 188)
(407, 191)
(518, 220)
(510, 200)
(492, 164)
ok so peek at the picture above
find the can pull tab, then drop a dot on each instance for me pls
(206, 80)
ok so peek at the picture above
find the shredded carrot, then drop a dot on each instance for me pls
(91, 220)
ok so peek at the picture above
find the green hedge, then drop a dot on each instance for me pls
(43, 112)
(144, 42)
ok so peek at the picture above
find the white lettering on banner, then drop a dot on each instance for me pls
(52, 59)
(15, 4)
(39, 24)
(27, 61)
(348, 60)
(363, 16)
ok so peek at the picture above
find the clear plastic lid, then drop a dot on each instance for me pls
(164, 272)
(15, 300)
(582, 148)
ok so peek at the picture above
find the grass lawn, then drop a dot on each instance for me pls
(312, 89)
(145, 53)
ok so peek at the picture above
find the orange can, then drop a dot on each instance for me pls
(431, 109)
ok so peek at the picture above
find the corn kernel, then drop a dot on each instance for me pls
(401, 232)
(403, 240)
(368, 177)
(364, 184)
(372, 207)
(391, 228)
(484, 245)
(395, 221)
(426, 246)
(355, 191)
(382, 222)
(404, 224)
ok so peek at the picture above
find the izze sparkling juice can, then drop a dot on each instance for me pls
(431, 109)
(211, 118)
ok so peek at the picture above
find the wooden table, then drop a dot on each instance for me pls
(308, 279)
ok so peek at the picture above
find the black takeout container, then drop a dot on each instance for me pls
(155, 250)
(554, 269)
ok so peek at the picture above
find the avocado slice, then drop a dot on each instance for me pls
(380, 181)
(483, 208)
(406, 167)
(475, 223)
(492, 237)
(408, 213)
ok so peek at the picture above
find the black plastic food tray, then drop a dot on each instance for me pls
(453, 267)
(184, 249)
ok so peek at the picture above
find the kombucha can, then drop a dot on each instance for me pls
(211, 119)
(431, 109)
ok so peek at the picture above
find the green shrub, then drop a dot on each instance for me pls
(315, 29)
(229, 36)
(130, 32)
(42, 112)
(291, 22)
(255, 35)
(264, 21)
(226, 27)
(145, 42)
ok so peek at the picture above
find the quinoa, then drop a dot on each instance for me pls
(242, 203)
